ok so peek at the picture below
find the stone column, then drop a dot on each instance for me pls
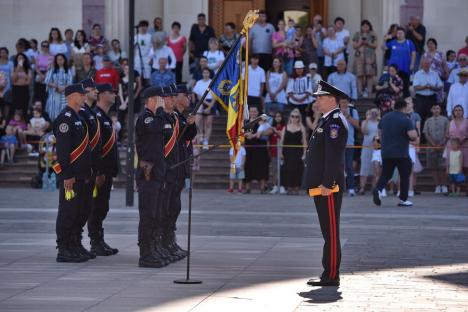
(116, 21)
(391, 13)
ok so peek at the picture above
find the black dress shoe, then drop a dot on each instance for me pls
(376, 197)
(324, 282)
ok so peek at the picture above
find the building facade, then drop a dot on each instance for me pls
(444, 20)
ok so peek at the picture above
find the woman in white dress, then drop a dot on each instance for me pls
(369, 128)
(277, 80)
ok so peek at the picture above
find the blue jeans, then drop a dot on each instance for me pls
(274, 106)
(288, 65)
(349, 155)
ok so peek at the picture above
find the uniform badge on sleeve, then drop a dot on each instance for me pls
(63, 127)
(148, 120)
(334, 131)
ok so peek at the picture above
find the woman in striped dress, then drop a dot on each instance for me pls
(57, 78)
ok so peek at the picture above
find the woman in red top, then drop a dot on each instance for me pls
(277, 126)
(178, 44)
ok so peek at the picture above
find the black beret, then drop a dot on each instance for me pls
(74, 88)
(151, 91)
(104, 87)
(88, 83)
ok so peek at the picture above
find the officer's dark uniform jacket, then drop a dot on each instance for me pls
(325, 152)
(94, 133)
(109, 160)
(185, 144)
(149, 143)
(170, 130)
(72, 146)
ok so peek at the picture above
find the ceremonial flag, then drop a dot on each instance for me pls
(226, 89)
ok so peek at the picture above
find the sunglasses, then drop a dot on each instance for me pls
(294, 116)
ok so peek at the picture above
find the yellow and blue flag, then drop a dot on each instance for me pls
(226, 89)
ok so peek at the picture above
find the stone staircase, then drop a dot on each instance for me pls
(214, 166)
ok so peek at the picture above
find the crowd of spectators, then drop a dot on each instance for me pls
(287, 60)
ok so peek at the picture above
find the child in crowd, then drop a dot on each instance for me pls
(435, 129)
(98, 57)
(8, 144)
(37, 125)
(451, 60)
(115, 123)
(454, 167)
(291, 32)
(214, 56)
(237, 169)
(19, 127)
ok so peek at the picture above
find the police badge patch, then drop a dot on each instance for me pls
(148, 120)
(63, 128)
(334, 131)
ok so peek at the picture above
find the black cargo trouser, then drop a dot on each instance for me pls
(100, 207)
(68, 210)
(150, 209)
(84, 210)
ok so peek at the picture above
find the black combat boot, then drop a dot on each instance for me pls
(147, 260)
(80, 248)
(112, 250)
(169, 246)
(97, 245)
(183, 253)
(66, 253)
(165, 254)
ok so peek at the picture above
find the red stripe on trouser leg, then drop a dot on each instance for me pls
(332, 253)
(335, 247)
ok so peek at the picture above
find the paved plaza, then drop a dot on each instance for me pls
(252, 252)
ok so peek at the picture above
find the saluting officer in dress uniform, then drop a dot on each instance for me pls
(89, 116)
(171, 130)
(325, 170)
(182, 102)
(150, 176)
(107, 169)
(73, 168)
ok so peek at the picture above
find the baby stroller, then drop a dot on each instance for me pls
(47, 158)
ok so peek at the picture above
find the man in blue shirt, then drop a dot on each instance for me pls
(403, 54)
(396, 130)
(162, 77)
(352, 117)
(344, 80)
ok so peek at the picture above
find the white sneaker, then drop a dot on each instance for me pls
(411, 193)
(405, 203)
(444, 189)
(438, 189)
(205, 145)
(383, 193)
(351, 192)
(282, 190)
(274, 190)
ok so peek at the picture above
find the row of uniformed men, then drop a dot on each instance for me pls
(88, 160)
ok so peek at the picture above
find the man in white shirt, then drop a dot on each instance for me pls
(256, 83)
(458, 94)
(142, 48)
(161, 50)
(342, 34)
(426, 83)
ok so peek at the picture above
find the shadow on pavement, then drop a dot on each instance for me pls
(322, 295)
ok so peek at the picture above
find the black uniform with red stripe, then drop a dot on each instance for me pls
(73, 161)
(107, 166)
(89, 117)
(325, 166)
(172, 150)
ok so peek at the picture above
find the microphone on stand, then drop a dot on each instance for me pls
(252, 123)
